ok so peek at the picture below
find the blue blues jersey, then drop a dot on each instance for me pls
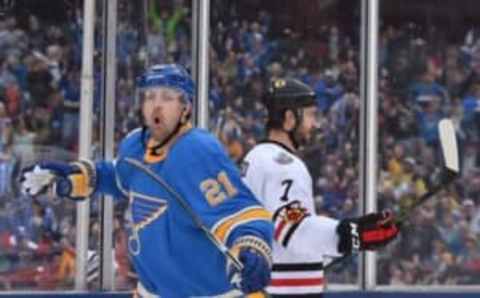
(172, 256)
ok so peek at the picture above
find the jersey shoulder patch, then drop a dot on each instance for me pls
(287, 219)
(283, 158)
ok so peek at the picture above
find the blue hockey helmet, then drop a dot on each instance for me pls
(168, 75)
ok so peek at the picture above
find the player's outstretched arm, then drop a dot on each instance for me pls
(304, 233)
(76, 180)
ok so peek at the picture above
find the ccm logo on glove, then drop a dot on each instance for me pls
(369, 232)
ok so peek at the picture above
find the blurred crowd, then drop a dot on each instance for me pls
(423, 77)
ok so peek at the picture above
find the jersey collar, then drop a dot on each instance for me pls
(266, 141)
(161, 153)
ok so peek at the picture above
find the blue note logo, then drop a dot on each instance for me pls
(145, 209)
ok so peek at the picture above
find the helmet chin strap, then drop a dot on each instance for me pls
(292, 133)
(294, 140)
(174, 132)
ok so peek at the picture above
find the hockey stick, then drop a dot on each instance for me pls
(196, 219)
(450, 171)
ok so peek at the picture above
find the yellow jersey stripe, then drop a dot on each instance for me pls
(223, 229)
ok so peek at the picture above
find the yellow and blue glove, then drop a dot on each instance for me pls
(255, 255)
(76, 180)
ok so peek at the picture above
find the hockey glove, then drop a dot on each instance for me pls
(255, 255)
(369, 232)
(75, 180)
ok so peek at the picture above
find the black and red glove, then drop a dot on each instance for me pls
(369, 232)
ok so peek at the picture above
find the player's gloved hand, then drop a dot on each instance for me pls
(255, 275)
(72, 180)
(369, 232)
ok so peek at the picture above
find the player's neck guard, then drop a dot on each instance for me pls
(284, 137)
(267, 141)
(157, 152)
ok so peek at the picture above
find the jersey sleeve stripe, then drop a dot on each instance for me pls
(223, 228)
(278, 229)
(286, 221)
(281, 267)
(296, 282)
(290, 232)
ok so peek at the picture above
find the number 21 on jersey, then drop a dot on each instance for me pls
(218, 190)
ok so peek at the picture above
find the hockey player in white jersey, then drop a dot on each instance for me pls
(281, 180)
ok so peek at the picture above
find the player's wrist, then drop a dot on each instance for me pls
(80, 183)
(89, 173)
(349, 238)
(255, 255)
(254, 244)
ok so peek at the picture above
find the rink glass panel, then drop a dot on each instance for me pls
(39, 116)
(317, 42)
(428, 69)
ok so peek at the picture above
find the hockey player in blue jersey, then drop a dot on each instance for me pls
(172, 256)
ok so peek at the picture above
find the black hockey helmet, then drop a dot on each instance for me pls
(288, 93)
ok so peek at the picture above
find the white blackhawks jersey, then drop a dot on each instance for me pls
(279, 178)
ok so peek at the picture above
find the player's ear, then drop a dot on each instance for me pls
(289, 120)
(186, 112)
